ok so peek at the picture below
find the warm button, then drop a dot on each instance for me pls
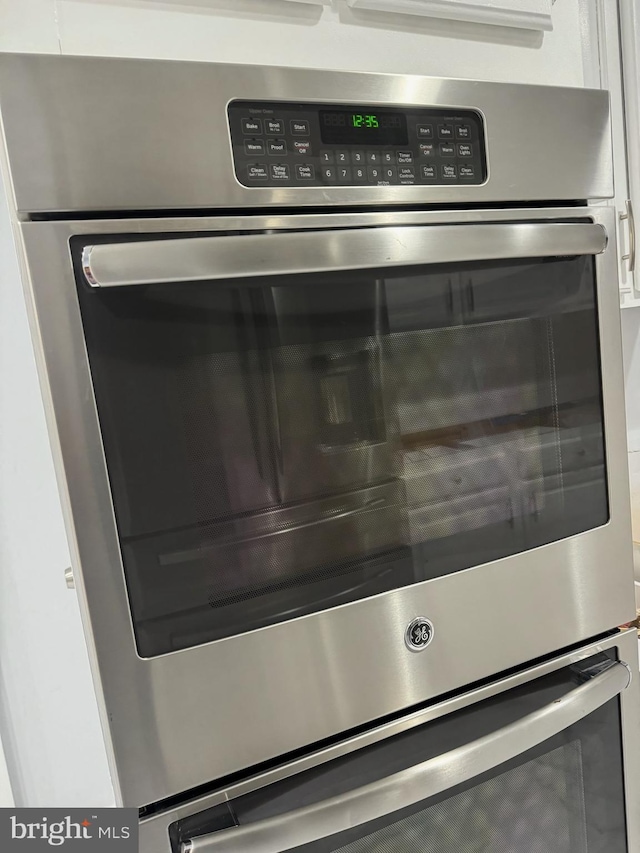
(254, 147)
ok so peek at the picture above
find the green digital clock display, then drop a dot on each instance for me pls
(363, 126)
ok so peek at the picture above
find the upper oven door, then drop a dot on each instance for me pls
(356, 419)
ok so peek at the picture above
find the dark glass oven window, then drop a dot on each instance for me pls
(280, 446)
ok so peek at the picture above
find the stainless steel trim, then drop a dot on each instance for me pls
(108, 164)
(420, 782)
(158, 713)
(628, 215)
(210, 258)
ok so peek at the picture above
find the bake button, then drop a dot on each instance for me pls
(447, 150)
(467, 171)
(326, 157)
(342, 158)
(257, 172)
(445, 131)
(465, 150)
(276, 147)
(279, 172)
(357, 158)
(448, 171)
(406, 174)
(405, 157)
(359, 175)
(374, 174)
(427, 149)
(388, 158)
(305, 172)
(373, 158)
(463, 131)
(299, 128)
(274, 126)
(302, 146)
(390, 173)
(254, 147)
(428, 173)
(329, 174)
(425, 131)
(251, 126)
(344, 175)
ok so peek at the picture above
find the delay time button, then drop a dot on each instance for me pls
(279, 172)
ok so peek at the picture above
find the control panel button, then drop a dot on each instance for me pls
(374, 174)
(326, 157)
(465, 150)
(463, 131)
(329, 174)
(258, 172)
(360, 174)
(427, 149)
(448, 171)
(305, 172)
(406, 174)
(357, 158)
(274, 126)
(299, 128)
(251, 126)
(445, 131)
(428, 172)
(279, 172)
(425, 131)
(373, 158)
(254, 147)
(390, 173)
(447, 150)
(388, 158)
(342, 157)
(405, 157)
(344, 175)
(276, 147)
(467, 171)
(302, 146)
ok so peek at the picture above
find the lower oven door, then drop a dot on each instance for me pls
(533, 764)
(285, 439)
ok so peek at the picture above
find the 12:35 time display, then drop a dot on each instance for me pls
(363, 126)
(358, 120)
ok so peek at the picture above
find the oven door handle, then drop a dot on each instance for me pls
(299, 252)
(420, 782)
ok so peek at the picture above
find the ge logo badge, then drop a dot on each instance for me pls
(419, 634)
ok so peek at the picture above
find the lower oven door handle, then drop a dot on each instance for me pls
(420, 782)
(299, 252)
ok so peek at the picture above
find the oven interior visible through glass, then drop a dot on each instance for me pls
(280, 446)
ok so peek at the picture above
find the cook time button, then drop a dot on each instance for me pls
(305, 172)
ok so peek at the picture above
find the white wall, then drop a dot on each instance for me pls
(48, 718)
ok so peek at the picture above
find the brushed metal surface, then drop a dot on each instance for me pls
(204, 258)
(129, 134)
(154, 830)
(169, 727)
(420, 782)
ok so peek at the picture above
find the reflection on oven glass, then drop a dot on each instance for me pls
(278, 448)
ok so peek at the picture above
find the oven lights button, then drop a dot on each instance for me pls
(418, 634)
(465, 150)
(251, 126)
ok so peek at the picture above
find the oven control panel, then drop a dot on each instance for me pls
(320, 145)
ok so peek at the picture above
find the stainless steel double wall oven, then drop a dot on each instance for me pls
(332, 364)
